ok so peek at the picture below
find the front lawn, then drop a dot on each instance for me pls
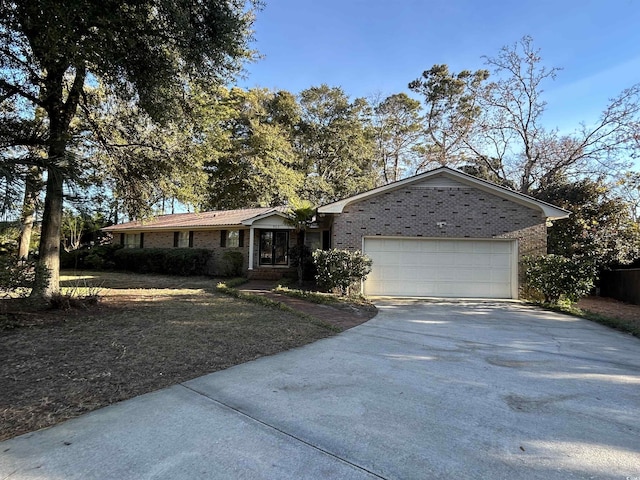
(147, 332)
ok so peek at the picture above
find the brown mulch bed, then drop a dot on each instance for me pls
(617, 314)
(57, 364)
(611, 308)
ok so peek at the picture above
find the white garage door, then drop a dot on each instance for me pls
(441, 268)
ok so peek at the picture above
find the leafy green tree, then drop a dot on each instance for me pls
(452, 105)
(336, 145)
(266, 148)
(397, 126)
(145, 166)
(145, 50)
(600, 227)
(252, 161)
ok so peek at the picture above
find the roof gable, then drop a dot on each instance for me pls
(277, 212)
(447, 177)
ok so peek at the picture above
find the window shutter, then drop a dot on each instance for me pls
(142, 240)
(241, 238)
(223, 238)
(122, 239)
(191, 239)
(176, 239)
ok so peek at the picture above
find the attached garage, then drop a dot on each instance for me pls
(421, 267)
(441, 233)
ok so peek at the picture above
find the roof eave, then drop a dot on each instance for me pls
(143, 228)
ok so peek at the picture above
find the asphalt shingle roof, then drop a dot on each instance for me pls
(217, 218)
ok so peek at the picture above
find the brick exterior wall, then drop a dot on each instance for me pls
(158, 240)
(415, 211)
(210, 239)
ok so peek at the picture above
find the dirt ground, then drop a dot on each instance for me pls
(146, 332)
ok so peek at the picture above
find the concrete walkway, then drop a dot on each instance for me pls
(423, 391)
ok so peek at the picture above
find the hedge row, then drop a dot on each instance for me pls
(169, 261)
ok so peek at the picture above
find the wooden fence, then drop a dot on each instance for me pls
(621, 284)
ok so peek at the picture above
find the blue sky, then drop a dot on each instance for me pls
(381, 45)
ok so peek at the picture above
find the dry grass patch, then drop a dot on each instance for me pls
(147, 332)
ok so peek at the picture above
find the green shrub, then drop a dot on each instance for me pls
(168, 261)
(100, 257)
(558, 278)
(233, 263)
(340, 269)
(18, 277)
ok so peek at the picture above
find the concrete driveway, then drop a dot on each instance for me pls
(424, 390)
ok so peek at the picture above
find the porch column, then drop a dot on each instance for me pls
(251, 241)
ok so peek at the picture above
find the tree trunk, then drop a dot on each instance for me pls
(50, 237)
(31, 192)
(60, 114)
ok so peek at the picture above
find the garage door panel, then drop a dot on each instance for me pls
(470, 275)
(392, 258)
(501, 247)
(445, 259)
(481, 247)
(443, 268)
(466, 260)
(499, 261)
(426, 259)
(500, 275)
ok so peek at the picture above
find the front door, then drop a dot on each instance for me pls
(274, 245)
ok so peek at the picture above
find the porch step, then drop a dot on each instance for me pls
(267, 273)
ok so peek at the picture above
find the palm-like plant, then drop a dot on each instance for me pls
(300, 216)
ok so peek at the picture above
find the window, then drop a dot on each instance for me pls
(183, 239)
(318, 240)
(313, 240)
(132, 240)
(232, 238)
(274, 246)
